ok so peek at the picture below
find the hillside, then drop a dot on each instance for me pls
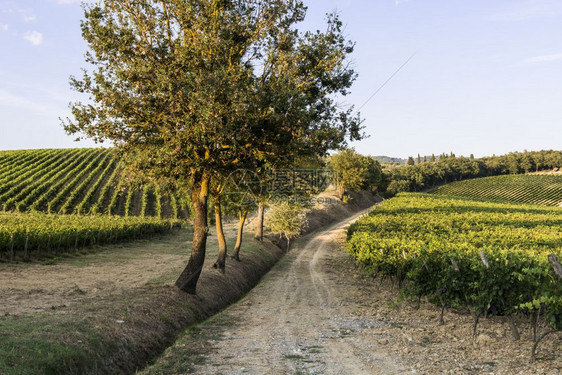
(389, 159)
(77, 181)
(532, 189)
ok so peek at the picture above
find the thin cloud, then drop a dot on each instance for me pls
(3, 27)
(400, 2)
(34, 37)
(543, 58)
(8, 99)
(528, 9)
(29, 19)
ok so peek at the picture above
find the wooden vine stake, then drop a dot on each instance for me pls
(12, 247)
(484, 259)
(553, 259)
(455, 265)
(476, 315)
(25, 250)
(442, 291)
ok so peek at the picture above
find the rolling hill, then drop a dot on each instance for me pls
(78, 181)
(532, 189)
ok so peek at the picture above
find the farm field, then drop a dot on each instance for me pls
(78, 181)
(541, 189)
(54, 201)
(481, 257)
(36, 234)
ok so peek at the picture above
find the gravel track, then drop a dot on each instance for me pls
(297, 321)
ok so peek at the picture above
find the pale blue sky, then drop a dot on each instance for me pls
(486, 77)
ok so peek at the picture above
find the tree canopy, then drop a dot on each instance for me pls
(190, 90)
(355, 171)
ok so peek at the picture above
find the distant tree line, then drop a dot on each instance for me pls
(450, 168)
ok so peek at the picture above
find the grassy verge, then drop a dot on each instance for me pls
(49, 344)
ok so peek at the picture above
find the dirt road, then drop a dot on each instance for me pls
(298, 320)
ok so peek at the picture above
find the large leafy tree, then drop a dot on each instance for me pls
(355, 171)
(191, 89)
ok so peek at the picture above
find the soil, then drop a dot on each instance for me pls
(316, 313)
(555, 171)
(30, 288)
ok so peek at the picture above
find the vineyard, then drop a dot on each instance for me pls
(78, 181)
(482, 257)
(27, 235)
(59, 200)
(532, 189)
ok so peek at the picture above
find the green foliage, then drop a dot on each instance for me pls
(397, 186)
(66, 181)
(489, 258)
(190, 90)
(48, 233)
(287, 219)
(450, 168)
(355, 171)
(532, 189)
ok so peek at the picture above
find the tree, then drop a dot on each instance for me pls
(188, 90)
(373, 174)
(355, 171)
(240, 192)
(216, 193)
(288, 220)
(410, 161)
(349, 169)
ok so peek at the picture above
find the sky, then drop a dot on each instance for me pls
(483, 77)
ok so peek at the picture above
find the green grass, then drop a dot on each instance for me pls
(48, 344)
(530, 189)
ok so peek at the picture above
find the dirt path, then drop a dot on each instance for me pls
(298, 321)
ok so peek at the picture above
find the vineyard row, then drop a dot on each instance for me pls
(78, 181)
(483, 257)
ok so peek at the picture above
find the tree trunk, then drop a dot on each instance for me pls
(259, 227)
(220, 264)
(340, 192)
(236, 253)
(199, 194)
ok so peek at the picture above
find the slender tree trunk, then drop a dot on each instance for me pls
(341, 192)
(220, 264)
(190, 275)
(236, 253)
(259, 227)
